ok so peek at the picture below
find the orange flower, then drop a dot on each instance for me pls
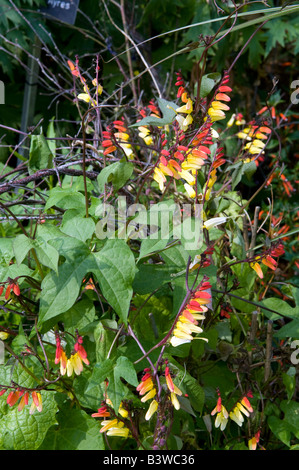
(60, 356)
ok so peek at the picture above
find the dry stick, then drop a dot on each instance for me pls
(148, 68)
(252, 334)
(254, 230)
(129, 58)
(268, 350)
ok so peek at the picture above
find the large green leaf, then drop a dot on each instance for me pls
(113, 266)
(113, 371)
(115, 273)
(76, 430)
(40, 156)
(117, 173)
(79, 227)
(60, 291)
(65, 198)
(46, 254)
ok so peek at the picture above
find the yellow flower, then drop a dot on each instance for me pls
(159, 178)
(190, 191)
(152, 409)
(74, 364)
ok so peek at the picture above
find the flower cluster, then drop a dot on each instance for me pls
(86, 95)
(74, 362)
(23, 395)
(242, 407)
(252, 443)
(217, 108)
(187, 107)
(174, 390)
(117, 136)
(255, 136)
(147, 390)
(144, 131)
(113, 426)
(12, 286)
(187, 322)
(267, 259)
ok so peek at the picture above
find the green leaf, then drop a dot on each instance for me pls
(79, 227)
(168, 111)
(76, 430)
(290, 330)
(151, 276)
(65, 198)
(117, 173)
(113, 371)
(40, 156)
(116, 389)
(60, 291)
(51, 134)
(47, 255)
(279, 306)
(291, 415)
(280, 429)
(6, 249)
(208, 83)
(115, 273)
(150, 245)
(289, 380)
(21, 246)
(104, 336)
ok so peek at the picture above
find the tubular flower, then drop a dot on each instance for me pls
(122, 137)
(13, 397)
(252, 443)
(217, 108)
(174, 390)
(108, 143)
(159, 177)
(24, 396)
(187, 323)
(37, 403)
(114, 427)
(86, 95)
(80, 350)
(24, 401)
(187, 108)
(144, 131)
(74, 363)
(214, 222)
(147, 390)
(60, 356)
(267, 260)
(243, 407)
(152, 409)
(255, 135)
(12, 286)
(102, 412)
(207, 189)
(221, 416)
(173, 169)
